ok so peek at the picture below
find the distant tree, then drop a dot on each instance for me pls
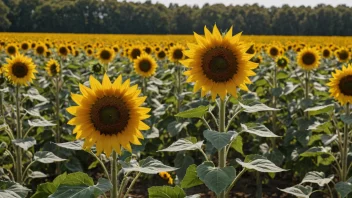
(4, 21)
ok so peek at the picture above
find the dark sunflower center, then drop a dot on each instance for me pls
(308, 58)
(178, 54)
(33, 45)
(250, 50)
(148, 50)
(343, 55)
(19, 69)
(115, 49)
(105, 55)
(63, 51)
(255, 60)
(40, 50)
(11, 50)
(135, 53)
(326, 53)
(48, 53)
(274, 51)
(90, 51)
(345, 85)
(219, 64)
(157, 49)
(282, 62)
(161, 54)
(53, 69)
(110, 115)
(24, 46)
(145, 65)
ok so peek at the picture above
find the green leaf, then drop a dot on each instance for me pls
(258, 129)
(219, 140)
(11, 189)
(182, 161)
(75, 145)
(320, 127)
(37, 174)
(315, 151)
(194, 113)
(40, 123)
(282, 75)
(257, 108)
(150, 166)
(191, 179)
(343, 188)
(33, 94)
(320, 109)
(317, 178)
(166, 192)
(299, 191)
(48, 188)
(277, 91)
(79, 191)
(176, 127)
(26, 143)
(260, 164)
(216, 179)
(183, 145)
(78, 178)
(347, 119)
(237, 144)
(93, 164)
(47, 157)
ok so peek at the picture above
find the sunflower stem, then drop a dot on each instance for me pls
(144, 86)
(18, 136)
(222, 152)
(114, 192)
(345, 147)
(307, 75)
(274, 106)
(131, 185)
(57, 111)
(1, 99)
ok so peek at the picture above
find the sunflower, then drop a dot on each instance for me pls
(116, 48)
(89, 51)
(148, 50)
(134, 52)
(25, 46)
(308, 58)
(41, 49)
(52, 67)
(63, 50)
(11, 49)
(251, 50)
(257, 59)
(109, 115)
(326, 52)
(282, 61)
(106, 55)
(341, 85)
(166, 176)
(20, 69)
(218, 64)
(343, 55)
(145, 65)
(176, 53)
(48, 53)
(97, 68)
(161, 54)
(75, 52)
(33, 45)
(273, 51)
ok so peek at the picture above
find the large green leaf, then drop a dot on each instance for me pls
(191, 179)
(217, 139)
(82, 190)
(176, 127)
(256, 108)
(48, 188)
(9, 189)
(343, 188)
(194, 113)
(150, 166)
(216, 179)
(75, 145)
(40, 123)
(299, 191)
(26, 143)
(33, 94)
(166, 192)
(315, 151)
(237, 144)
(320, 109)
(317, 178)
(260, 164)
(347, 119)
(47, 157)
(183, 145)
(258, 129)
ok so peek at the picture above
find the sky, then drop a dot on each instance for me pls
(266, 3)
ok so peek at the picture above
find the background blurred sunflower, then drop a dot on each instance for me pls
(343, 55)
(145, 65)
(176, 53)
(52, 67)
(134, 52)
(218, 64)
(109, 115)
(62, 50)
(326, 52)
(11, 49)
(20, 69)
(40, 49)
(308, 58)
(282, 61)
(105, 55)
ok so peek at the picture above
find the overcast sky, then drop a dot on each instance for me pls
(266, 3)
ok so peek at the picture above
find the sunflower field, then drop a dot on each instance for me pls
(214, 114)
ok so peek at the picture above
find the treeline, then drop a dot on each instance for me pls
(112, 16)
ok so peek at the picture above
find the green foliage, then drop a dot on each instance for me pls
(166, 192)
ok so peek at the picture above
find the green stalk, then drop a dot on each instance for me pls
(222, 152)
(259, 193)
(307, 74)
(345, 147)
(178, 87)
(57, 106)
(113, 178)
(131, 185)
(144, 86)
(274, 106)
(18, 136)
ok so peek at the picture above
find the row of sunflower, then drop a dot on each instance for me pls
(111, 117)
